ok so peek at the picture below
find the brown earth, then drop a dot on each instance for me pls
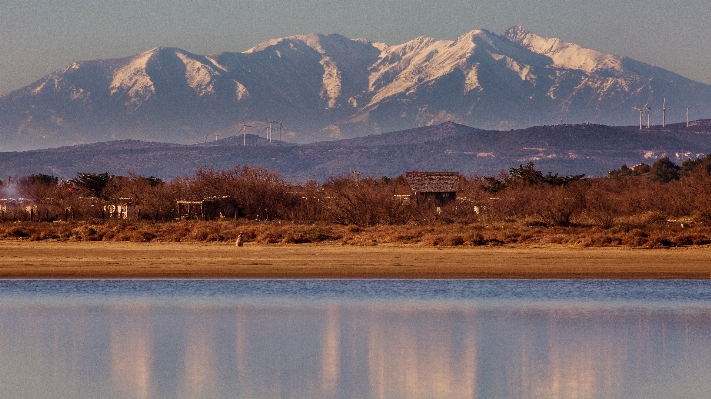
(26, 259)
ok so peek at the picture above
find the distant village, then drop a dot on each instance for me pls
(101, 196)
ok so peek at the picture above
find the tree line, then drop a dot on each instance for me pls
(659, 192)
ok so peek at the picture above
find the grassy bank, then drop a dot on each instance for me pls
(643, 233)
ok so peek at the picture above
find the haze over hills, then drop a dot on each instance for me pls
(328, 87)
(563, 149)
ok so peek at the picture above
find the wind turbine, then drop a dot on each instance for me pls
(647, 108)
(664, 112)
(244, 133)
(687, 116)
(269, 129)
(641, 111)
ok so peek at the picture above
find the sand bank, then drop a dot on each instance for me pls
(22, 259)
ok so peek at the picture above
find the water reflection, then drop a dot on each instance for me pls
(330, 352)
(131, 343)
(421, 355)
(338, 349)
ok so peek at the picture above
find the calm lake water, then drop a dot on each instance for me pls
(355, 339)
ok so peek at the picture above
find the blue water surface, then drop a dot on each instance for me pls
(649, 292)
(355, 339)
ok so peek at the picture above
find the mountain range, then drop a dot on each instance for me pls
(316, 87)
(564, 149)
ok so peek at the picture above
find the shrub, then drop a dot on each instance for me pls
(17, 232)
(474, 238)
(455, 240)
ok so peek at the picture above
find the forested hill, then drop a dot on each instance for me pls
(564, 149)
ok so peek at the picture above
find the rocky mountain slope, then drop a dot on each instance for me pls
(326, 87)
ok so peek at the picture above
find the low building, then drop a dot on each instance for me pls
(207, 209)
(442, 187)
(120, 210)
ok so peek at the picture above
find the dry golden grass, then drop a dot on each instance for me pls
(633, 234)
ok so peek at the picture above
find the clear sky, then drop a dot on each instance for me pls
(40, 36)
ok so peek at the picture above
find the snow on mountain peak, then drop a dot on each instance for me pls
(133, 79)
(424, 59)
(404, 66)
(328, 82)
(311, 40)
(200, 76)
(564, 54)
(379, 45)
(517, 33)
(264, 45)
(331, 87)
(476, 33)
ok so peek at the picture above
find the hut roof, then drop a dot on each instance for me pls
(433, 182)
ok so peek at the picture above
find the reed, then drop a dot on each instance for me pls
(654, 235)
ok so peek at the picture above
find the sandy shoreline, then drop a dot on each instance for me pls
(24, 259)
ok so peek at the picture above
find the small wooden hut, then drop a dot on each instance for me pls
(440, 186)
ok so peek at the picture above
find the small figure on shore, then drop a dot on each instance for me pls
(240, 240)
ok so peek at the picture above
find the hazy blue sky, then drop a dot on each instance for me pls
(40, 36)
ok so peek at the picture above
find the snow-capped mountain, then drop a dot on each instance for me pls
(327, 86)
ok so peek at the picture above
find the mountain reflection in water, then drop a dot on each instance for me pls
(91, 345)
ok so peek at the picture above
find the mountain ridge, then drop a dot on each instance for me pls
(327, 87)
(564, 149)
